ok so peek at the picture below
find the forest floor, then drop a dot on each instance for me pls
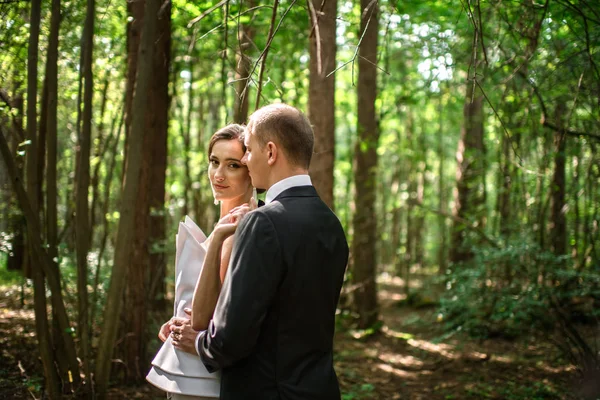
(410, 358)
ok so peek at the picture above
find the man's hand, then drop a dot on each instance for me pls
(183, 336)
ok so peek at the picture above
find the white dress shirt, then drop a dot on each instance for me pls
(272, 193)
(284, 184)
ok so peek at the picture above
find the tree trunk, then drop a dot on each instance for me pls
(99, 154)
(105, 207)
(558, 220)
(577, 160)
(32, 197)
(127, 220)
(242, 70)
(44, 265)
(364, 268)
(411, 231)
(321, 94)
(442, 254)
(147, 265)
(186, 133)
(158, 162)
(51, 175)
(82, 213)
(469, 197)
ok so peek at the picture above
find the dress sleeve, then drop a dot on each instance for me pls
(251, 283)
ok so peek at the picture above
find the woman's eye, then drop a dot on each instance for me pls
(214, 163)
(234, 166)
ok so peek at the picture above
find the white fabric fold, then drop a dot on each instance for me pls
(174, 370)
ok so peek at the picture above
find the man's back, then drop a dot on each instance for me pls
(292, 353)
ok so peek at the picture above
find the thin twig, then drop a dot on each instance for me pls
(264, 53)
(355, 55)
(205, 13)
(315, 28)
(468, 225)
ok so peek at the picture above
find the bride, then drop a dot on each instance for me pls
(201, 264)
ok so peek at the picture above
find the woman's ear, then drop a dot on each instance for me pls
(271, 153)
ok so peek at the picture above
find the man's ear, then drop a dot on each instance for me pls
(272, 153)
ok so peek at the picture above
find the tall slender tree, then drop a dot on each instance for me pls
(364, 268)
(126, 229)
(321, 94)
(82, 213)
(242, 71)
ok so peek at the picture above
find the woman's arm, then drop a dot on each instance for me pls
(213, 272)
(208, 286)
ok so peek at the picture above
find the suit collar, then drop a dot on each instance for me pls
(284, 184)
(298, 191)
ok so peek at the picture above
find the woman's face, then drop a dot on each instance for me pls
(229, 178)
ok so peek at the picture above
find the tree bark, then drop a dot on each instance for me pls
(127, 219)
(364, 268)
(442, 254)
(321, 94)
(558, 220)
(242, 70)
(32, 198)
(51, 80)
(469, 195)
(82, 213)
(158, 162)
(44, 266)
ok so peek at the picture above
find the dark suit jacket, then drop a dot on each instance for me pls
(272, 331)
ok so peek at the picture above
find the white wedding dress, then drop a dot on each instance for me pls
(173, 370)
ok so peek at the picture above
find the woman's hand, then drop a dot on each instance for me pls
(165, 330)
(229, 223)
(183, 336)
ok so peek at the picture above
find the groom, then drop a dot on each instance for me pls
(272, 330)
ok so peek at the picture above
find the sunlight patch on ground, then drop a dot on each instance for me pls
(390, 295)
(556, 370)
(441, 348)
(398, 335)
(390, 279)
(503, 359)
(8, 313)
(398, 372)
(405, 361)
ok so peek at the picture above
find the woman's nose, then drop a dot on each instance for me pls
(219, 176)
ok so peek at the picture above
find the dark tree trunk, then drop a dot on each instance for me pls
(364, 268)
(146, 269)
(442, 254)
(469, 199)
(558, 220)
(242, 70)
(158, 161)
(126, 231)
(321, 94)
(82, 213)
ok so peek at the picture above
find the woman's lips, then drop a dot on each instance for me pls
(220, 187)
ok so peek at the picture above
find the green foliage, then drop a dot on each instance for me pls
(508, 290)
(8, 278)
(360, 391)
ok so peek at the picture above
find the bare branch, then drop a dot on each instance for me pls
(205, 13)
(315, 29)
(264, 53)
(468, 225)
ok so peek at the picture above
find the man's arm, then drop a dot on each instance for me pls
(251, 283)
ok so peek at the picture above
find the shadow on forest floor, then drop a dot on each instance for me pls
(409, 359)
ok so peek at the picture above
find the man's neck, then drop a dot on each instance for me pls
(284, 173)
